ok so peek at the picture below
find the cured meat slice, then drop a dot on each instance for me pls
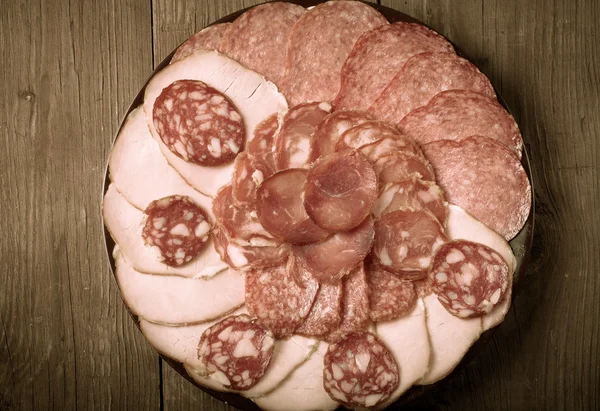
(378, 55)
(405, 242)
(365, 133)
(469, 278)
(360, 371)
(124, 223)
(389, 146)
(264, 133)
(325, 314)
(390, 297)
(249, 171)
(415, 193)
(333, 258)
(280, 297)
(258, 37)
(253, 96)
(319, 44)
(198, 123)
(484, 178)
(176, 300)
(280, 210)
(236, 351)
(399, 166)
(340, 190)
(292, 142)
(208, 38)
(457, 114)
(331, 128)
(422, 77)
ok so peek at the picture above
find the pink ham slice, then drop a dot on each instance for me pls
(401, 165)
(208, 38)
(249, 171)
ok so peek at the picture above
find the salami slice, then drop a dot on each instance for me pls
(292, 142)
(360, 371)
(177, 228)
(325, 314)
(340, 190)
(264, 133)
(390, 297)
(198, 123)
(258, 37)
(366, 133)
(318, 46)
(390, 145)
(468, 278)
(405, 242)
(280, 210)
(333, 258)
(208, 38)
(457, 114)
(399, 166)
(422, 77)
(331, 128)
(484, 178)
(378, 55)
(236, 352)
(276, 297)
(249, 171)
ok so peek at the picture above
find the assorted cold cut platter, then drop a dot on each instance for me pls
(311, 207)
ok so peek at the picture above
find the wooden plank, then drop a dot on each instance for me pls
(67, 81)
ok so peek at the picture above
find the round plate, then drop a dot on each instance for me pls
(521, 244)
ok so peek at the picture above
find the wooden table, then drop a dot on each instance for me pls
(69, 71)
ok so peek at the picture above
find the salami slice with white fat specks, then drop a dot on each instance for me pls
(360, 371)
(264, 133)
(405, 242)
(390, 297)
(421, 78)
(401, 165)
(468, 278)
(365, 133)
(390, 145)
(208, 38)
(340, 190)
(198, 123)
(325, 314)
(484, 178)
(177, 228)
(249, 171)
(236, 352)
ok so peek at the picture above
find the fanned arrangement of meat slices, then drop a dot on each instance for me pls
(311, 207)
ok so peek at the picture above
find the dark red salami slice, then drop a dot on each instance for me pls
(468, 278)
(484, 178)
(402, 165)
(177, 228)
(331, 128)
(258, 37)
(198, 123)
(319, 44)
(280, 297)
(421, 78)
(390, 297)
(390, 145)
(208, 38)
(325, 314)
(405, 242)
(378, 55)
(249, 171)
(457, 114)
(292, 142)
(264, 142)
(366, 133)
(360, 371)
(333, 258)
(280, 210)
(340, 190)
(236, 352)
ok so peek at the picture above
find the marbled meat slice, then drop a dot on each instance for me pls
(279, 208)
(264, 136)
(390, 145)
(325, 314)
(249, 171)
(340, 190)
(319, 44)
(198, 123)
(366, 133)
(457, 114)
(421, 78)
(406, 241)
(208, 38)
(360, 371)
(402, 165)
(485, 178)
(378, 55)
(390, 297)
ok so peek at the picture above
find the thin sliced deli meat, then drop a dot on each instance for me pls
(365, 133)
(325, 314)
(249, 171)
(332, 259)
(421, 78)
(402, 165)
(378, 55)
(280, 210)
(263, 142)
(389, 296)
(390, 145)
(258, 37)
(320, 42)
(457, 114)
(208, 38)
(340, 190)
(484, 178)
